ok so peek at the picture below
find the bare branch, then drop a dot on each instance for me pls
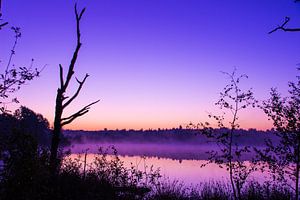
(78, 16)
(282, 27)
(5, 23)
(81, 112)
(2, 25)
(78, 45)
(61, 76)
(77, 92)
(81, 13)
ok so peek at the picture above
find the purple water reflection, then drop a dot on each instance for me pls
(175, 162)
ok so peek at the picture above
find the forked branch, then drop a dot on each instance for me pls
(84, 110)
(75, 54)
(64, 84)
(282, 27)
(77, 92)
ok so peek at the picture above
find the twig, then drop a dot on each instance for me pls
(282, 27)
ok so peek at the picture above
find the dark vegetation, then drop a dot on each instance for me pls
(283, 159)
(166, 136)
(229, 152)
(178, 144)
(26, 175)
(32, 166)
(12, 78)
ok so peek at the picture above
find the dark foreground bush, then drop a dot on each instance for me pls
(26, 175)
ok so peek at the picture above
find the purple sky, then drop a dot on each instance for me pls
(153, 63)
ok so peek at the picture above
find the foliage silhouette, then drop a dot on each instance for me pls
(27, 175)
(23, 121)
(33, 124)
(13, 78)
(283, 158)
(229, 155)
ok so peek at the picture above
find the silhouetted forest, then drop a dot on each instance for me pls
(165, 136)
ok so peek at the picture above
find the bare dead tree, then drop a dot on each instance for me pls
(62, 101)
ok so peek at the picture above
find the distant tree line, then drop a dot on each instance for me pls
(165, 136)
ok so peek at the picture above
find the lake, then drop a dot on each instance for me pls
(176, 162)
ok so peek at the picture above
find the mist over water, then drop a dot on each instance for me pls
(175, 161)
(177, 144)
(178, 153)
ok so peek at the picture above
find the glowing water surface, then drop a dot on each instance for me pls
(188, 171)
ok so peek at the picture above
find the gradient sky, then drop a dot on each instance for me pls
(153, 63)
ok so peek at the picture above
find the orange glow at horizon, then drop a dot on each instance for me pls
(140, 116)
(252, 120)
(96, 127)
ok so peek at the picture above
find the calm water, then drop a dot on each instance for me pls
(184, 168)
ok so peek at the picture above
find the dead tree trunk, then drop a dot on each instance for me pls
(63, 101)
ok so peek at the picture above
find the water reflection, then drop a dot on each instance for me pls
(182, 166)
(172, 151)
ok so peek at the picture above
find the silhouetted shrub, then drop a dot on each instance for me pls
(25, 173)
